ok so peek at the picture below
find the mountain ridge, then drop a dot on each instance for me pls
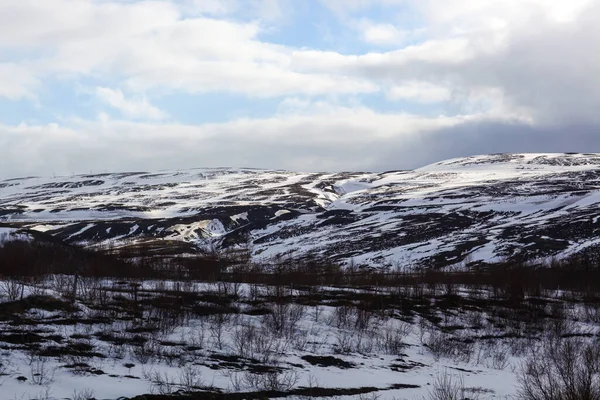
(468, 209)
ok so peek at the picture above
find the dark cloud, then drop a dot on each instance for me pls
(66, 152)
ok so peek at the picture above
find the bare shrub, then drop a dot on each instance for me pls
(344, 342)
(392, 340)
(197, 337)
(446, 387)
(343, 317)
(217, 328)
(243, 340)
(497, 356)
(190, 378)
(592, 312)
(363, 319)
(161, 384)
(145, 351)
(236, 380)
(41, 372)
(281, 381)
(369, 396)
(4, 367)
(85, 394)
(44, 394)
(266, 348)
(284, 318)
(437, 342)
(561, 370)
(63, 285)
(363, 342)
(301, 340)
(12, 289)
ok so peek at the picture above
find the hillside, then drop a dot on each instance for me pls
(481, 208)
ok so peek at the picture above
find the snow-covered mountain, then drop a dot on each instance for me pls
(466, 209)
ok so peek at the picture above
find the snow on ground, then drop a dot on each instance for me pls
(378, 213)
(9, 234)
(198, 344)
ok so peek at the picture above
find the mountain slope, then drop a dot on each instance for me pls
(474, 208)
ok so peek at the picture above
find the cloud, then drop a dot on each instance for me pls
(150, 44)
(503, 75)
(322, 137)
(382, 34)
(535, 53)
(421, 92)
(17, 82)
(540, 62)
(134, 108)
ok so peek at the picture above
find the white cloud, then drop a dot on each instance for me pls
(467, 45)
(321, 137)
(530, 61)
(211, 7)
(382, 34)
(134, 108)
(538, 55)
(266, 10)
(17, 81)
(421, 92)
(150, 44)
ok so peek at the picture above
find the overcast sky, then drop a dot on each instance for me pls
(111, 85)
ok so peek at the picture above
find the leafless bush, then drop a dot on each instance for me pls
(45, 394)
(497, 356)
(344, 341)
(236, 380)
(145, 351)
(217, 328)
(364, 342)
(284, 318)
(393, 336)
(12, 289)
(446, 387)
(592, 312)
(85, 394)
(4, 367)
(41, 372)
(63, 285)
(36, 284)
(171, 356)
(90, 288)
(369, 396)
(272, 381)
(190, 378)
(562, 370)
(228, 289)
(559, 322)
(301, 340)
(117, 350)
(197, 337)
(317, 312)
(268, 348)
(161, 384)
(363, 319)
(243, 340)
(343, 317)
(78, 363)
(437, 342)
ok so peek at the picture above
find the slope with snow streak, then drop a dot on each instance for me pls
(476, 208)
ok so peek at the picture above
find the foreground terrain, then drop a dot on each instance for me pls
(78, 325)
(468, 210)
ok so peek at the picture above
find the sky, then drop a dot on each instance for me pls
(306, 85)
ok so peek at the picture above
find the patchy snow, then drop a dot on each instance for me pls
(316, 334)
(472, 203)
(10, 234)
